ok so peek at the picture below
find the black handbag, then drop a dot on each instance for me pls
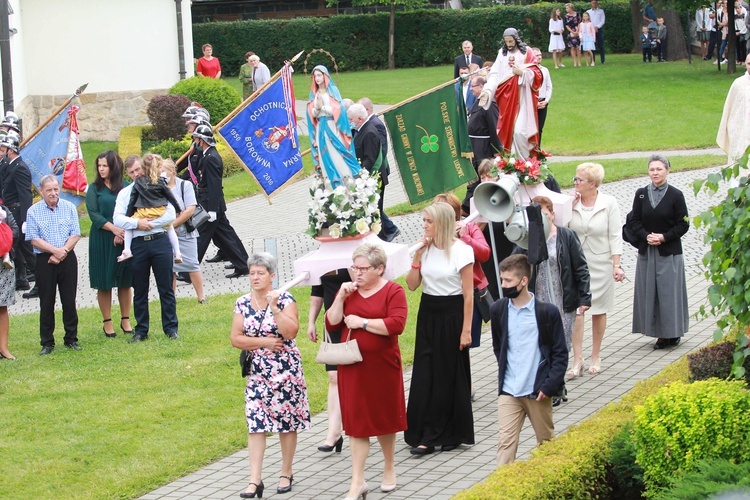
(246, 362)
(483, 301)
(628, 235)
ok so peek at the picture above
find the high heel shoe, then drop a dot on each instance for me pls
(338, 444)
(285, 489)
(258, 491)
(363, 491)
(596, 366)
(127, 332)
(109, 335)
(576, 371)
(387, 488)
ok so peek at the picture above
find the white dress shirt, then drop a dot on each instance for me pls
(597, 17)
(121, 220)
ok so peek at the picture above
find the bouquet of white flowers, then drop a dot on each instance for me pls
(349, 210)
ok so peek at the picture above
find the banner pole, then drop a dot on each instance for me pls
(59, 110)
(242, 105)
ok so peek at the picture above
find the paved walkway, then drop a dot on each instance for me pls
(627, 359)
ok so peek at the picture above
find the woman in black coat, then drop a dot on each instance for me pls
(659, 220)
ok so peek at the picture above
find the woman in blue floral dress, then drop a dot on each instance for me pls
(266, 323)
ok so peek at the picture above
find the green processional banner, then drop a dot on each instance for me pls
(431, 144)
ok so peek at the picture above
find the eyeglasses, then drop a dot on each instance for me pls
(576, 180)
(357, 269)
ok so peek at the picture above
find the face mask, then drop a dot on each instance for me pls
(511, 292)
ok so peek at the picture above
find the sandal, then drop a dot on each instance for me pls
(596, 366)
(576, 371)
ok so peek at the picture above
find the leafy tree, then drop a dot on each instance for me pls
(407, 4)
(727, 262)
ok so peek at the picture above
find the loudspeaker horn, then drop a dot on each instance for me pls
(496, 200)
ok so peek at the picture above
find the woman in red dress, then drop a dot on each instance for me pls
(373, 311)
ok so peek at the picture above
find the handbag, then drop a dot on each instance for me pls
(199, 217)
(628, 235)
(483, 301)
(343, 353)
(246, 362)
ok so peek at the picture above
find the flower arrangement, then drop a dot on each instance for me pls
(532, 170)
(350, 209)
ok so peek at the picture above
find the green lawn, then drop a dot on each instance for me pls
(117, 420)
(623, 106)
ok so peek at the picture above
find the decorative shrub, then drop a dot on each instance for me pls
(573, 465)
(175, 149)
(683, 423)
(715, 361)
(360, 42)
(624, 475)
(709, 478)
(165, 114)
(130, 141)
(215, 95)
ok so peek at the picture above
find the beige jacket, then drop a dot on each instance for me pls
(603, 233)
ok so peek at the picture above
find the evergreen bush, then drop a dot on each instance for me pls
(165, 114)
(684, 423)
(217, 96)
(709, 478)
(624, 475)
(422, 38)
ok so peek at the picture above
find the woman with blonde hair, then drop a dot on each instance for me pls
(596, 220)
(439, 410)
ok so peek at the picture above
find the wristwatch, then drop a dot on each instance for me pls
(365, 323)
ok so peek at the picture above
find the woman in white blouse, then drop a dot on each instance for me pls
(439, 409)
(596, 220)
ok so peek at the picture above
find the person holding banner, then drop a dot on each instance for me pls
(439, 410)
(514, 83)
(330, 132)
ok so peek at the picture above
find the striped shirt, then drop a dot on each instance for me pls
(53, 225)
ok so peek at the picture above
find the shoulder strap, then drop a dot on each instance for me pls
(542, 323)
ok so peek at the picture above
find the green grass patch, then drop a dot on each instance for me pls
(624, 105)
(117, 420)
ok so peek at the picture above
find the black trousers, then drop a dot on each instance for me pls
(388, 228)
(24, 257)
(225, 237)
(153, 255)
(541, 114)
(600, 43)
(712, 45)
(661, 51)
(647, 54)
(50, 278)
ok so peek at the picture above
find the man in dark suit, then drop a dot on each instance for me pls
(210, 194)
(466, 59)
(482, 127)
(16, 186)
(370, 150)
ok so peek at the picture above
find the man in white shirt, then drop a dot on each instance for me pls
(545, 93)
(597, 19)
(151, 251)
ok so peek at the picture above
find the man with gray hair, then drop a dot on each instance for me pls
(52, 229)
(371, 153)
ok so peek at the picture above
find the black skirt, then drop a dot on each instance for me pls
(439, 410)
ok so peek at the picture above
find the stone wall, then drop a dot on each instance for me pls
(101, 116)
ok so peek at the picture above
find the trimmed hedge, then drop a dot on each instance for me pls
(574, 465)
(216, 96)
(130, 141)
(422, 38)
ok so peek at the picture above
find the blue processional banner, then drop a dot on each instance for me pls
(264, 136)
(47, 153)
